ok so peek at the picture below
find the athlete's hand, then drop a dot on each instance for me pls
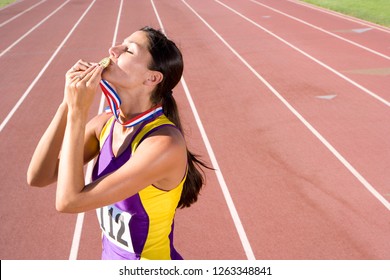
(82, 82)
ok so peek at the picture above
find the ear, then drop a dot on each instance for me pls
(153, 78)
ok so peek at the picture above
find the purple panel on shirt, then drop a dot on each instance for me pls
(139, 222)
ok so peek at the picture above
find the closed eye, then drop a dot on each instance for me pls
(128, 51)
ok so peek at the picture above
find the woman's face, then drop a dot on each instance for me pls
(130, 61)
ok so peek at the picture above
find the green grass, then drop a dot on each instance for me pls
(376, 11)
(5, 2)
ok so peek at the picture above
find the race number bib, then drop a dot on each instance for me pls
(115, 226)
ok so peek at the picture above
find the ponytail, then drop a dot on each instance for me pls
(195, 175)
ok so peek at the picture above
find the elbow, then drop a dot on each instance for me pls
(61, 209)
(35, 181)
(64, 205)
(62, 201)
(31, 181)
(37, 178)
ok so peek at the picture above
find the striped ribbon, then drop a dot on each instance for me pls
(114, 103)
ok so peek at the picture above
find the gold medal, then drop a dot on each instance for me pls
(105, 62)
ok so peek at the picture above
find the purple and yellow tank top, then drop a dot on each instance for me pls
(141, 226)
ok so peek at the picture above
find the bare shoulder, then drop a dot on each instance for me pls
(92, 135)
(163, 153)
(97, 123)
(167, 136)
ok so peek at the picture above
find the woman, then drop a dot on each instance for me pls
(144, 170)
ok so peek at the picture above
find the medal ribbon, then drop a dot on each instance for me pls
(114, 102)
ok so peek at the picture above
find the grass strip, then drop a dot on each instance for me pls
(376, 11)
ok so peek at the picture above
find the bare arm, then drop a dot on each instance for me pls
(43, 167)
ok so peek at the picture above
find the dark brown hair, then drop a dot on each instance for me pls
(168, 60)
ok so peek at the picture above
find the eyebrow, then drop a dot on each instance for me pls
(132, 42)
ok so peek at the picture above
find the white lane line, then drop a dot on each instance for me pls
(74, 249)
(158, 17)
(21, 13)
(358, 176)
(225, 190)
(27, 92)
(114, 39)
(382, 100)
(88, 174)
(32, 29)
(340, 15)
(323, 30)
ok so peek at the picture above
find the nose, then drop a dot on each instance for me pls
(115, 51)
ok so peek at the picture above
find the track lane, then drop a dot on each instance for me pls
(300, 89)
(229, 31)
(35, 217)
(341, 60)
(9, 12)
(315, 83)
(31, 55)
(18, 29)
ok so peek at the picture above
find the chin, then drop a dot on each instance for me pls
(105, 75)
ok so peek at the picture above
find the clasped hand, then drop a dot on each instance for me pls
(81, 84)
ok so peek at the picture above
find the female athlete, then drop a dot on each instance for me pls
(143, 170)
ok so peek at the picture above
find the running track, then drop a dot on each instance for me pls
(288, 102)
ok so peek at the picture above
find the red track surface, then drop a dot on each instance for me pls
(308, 176)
